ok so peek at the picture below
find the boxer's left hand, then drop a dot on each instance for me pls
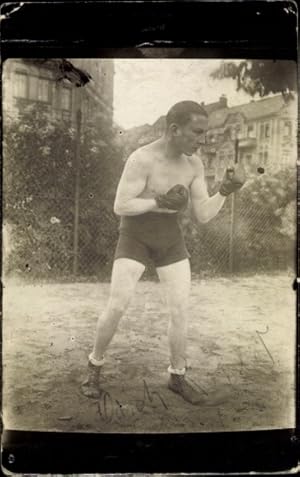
(175, 199)
(233, 180)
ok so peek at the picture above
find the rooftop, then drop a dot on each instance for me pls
(252, 110)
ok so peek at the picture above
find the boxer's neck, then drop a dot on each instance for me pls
(170, 151)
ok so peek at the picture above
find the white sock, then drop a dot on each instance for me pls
(96, 362)
(179, 372)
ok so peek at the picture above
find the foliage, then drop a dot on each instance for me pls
(39, 196)
(264, 230)
(39, 190)
(99, 175)
(266, 219)
(260, 76)
(208, 243)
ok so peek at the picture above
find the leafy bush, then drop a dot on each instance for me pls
(264, 232)
(266, 225)
(39, 193)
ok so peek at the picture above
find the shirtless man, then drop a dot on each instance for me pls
(148, 205)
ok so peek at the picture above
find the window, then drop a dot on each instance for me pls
(238, 131)
(66, 98)
(39, 89)
(287, 130)
(226, 132)
(251, 131)
(44, 90)
(261, 157)
(267, 130)
(210, 162)
(33, 87)
(266, 157)
(20, 85)
(248, 158)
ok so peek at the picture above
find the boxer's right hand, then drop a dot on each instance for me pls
(233, 180)
(175, 199)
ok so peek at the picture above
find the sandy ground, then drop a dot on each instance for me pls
(241, 350)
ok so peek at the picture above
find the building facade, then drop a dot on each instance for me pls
(262, 133)
(38, 81)
(266, 130)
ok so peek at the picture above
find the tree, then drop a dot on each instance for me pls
(260, 76)
(38, 176)
(39, 190)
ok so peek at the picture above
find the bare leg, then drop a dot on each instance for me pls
(176, 279)
(125, 275)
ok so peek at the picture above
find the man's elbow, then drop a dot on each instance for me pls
(117, 208)
(203, 219)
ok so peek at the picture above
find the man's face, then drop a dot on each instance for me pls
(189, 137)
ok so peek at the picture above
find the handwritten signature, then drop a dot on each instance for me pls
(112, 410)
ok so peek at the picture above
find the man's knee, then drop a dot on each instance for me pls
(118, 305)
(178, 313)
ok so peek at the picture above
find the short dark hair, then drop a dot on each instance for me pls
(181, 112)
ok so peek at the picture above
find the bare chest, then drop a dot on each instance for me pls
(164, 175)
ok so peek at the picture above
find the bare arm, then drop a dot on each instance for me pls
(131, 185)
(204, 207)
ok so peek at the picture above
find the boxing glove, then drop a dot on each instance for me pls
(234, 178)
(175, 199)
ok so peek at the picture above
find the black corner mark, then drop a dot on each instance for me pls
(8, 9)
(11, 459)
(65, 70)
(295, 284)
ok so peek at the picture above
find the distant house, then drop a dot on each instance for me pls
(266, 132)
(212, 107)
(140, 135)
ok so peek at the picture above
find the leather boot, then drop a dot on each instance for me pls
(90, 387)
(178, 384)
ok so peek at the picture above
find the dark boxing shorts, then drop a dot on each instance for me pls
(150, 237)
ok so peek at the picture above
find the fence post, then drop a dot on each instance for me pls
(231, 234)
(77, 190)
(233, 214)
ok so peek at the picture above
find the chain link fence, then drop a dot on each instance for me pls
(41, 242)
(243, 238)
(58, 210)
(43, 246)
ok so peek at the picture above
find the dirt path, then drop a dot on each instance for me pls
(241, 351)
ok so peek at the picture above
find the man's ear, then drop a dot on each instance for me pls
(174, 129)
